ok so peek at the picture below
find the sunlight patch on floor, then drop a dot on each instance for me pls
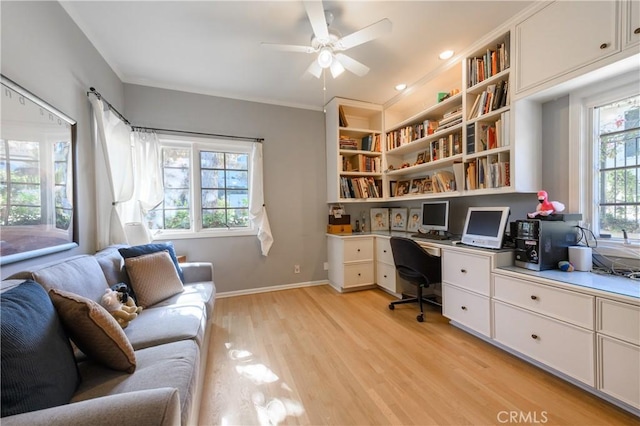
(269, 410)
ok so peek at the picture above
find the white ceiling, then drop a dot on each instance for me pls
(213, 47)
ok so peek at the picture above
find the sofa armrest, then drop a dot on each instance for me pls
(149, 407)
(195, 272)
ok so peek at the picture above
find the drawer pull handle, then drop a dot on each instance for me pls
(384, 251)
(534, 336)
(636, 31)
(385, 276)
(604, 45)
(359, 274)
(534, 297)
(464, 308)
(358, 250)
(464, 271)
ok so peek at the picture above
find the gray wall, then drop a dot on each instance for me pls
(45, 52)
(294, 183)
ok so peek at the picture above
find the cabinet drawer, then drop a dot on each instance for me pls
(565, 305)
(386, 276)
(619, 370)
(620, 320)
(358, 249)
(383, 251)
(467, 270)
(469, 309)
(559, 345)
(358, 274)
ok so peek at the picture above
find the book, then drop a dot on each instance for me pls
(471, 138)
(474, 108)
(342, 118)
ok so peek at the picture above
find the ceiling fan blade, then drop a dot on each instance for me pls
(288, 47)
(315, 12)
(352, 65)
(315, 69)
(364, 35)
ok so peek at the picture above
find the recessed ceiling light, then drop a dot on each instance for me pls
(446, 54)
(400, 87)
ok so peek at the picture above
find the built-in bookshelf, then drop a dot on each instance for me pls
(354, 151)
(454, 134)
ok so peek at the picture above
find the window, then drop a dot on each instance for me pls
(207, 189)
(617, 182)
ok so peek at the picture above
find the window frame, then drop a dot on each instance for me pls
(583, 167)
(196, 145)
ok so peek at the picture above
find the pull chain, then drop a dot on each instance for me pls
(324, 90)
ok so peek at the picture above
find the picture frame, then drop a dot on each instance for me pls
(399, 219)
(420, 158)
(39, 150)
(402, 188)
(379, 219)
(415, 220)
(416, 186)
(427, 185)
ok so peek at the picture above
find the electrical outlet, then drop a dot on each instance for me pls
(296, 269)
(326, 266)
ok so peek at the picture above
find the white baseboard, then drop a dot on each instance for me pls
(269, 289)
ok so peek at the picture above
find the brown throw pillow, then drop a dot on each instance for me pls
(153, 277)
(94, 330)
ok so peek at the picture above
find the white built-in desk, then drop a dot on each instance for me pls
(581, 326)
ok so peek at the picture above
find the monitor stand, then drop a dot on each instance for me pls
(431, 235)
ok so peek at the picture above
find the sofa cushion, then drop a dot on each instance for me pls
(112, 264)
(153, 277)
(187, 322)
(140, 250)
(38, 368)
(193, 294)
(172, 365)
(81, 275)
(94, 330)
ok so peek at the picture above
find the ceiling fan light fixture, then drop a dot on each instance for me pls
(325, 57)
(336, 69)
(400, 87)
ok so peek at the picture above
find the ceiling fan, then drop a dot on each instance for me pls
(328, 43)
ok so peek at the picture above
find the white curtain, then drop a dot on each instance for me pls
(130, 163)
(114, 166)
(257, 209)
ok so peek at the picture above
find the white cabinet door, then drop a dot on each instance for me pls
(619, 370)
(559, 345)
(467, 308)
(631, 26)
(386, 276)
(563, 37)
(357, 274)
(358, 249)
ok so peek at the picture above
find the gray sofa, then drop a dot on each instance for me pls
(169, 339)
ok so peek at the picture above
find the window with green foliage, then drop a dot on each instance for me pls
(207, 188)
(617, 184)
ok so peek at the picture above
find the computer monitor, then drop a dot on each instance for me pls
(485, 226)
(435, 216)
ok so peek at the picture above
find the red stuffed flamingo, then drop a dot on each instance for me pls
(546, 207)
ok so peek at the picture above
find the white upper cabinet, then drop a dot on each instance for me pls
(563, 37)
(631, 23)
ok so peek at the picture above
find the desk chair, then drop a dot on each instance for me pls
(418, 267)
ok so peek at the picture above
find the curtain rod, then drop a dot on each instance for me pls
(187, 132)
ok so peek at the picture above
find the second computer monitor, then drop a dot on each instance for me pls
(435, 216)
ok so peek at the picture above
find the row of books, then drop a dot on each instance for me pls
(491, 63)
(406, 135)
(361, 163)
(494, 97)
(447, 146)
(480, 174)
(362, 187)
(495, 135)
(367, 143)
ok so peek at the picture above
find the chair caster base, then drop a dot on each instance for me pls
(420, 318)
(392, 306)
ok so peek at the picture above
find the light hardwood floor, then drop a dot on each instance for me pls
(313, 356)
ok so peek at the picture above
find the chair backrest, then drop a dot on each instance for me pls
(413, 262)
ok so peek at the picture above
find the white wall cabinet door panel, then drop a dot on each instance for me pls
(546, 45)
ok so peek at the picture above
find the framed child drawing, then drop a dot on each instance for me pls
(399, 219)
(379, 219)
(415, 219)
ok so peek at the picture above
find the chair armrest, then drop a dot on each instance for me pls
(197, 271)
(149, 407)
